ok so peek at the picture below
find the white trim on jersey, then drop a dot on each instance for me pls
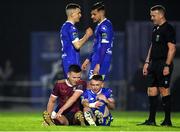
(54, 95)
(104, 41)
(98, 92)
(79, 90)
(68, 83)
(70, 22)
(102, 21)
(76, 39)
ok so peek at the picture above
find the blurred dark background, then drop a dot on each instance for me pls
(19, 19)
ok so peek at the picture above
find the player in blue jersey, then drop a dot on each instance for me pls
(96, 102)
(70, 41)
(100, 58)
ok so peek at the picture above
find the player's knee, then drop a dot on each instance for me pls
(152, 91)
(86, 109)
(164, 91)
(61, 121)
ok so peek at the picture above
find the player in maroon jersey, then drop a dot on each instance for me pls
(68, 91)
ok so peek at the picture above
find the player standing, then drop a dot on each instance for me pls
(159, 65)
(70, 41)
(100, 58)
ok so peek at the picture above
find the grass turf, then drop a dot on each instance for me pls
(123, 121)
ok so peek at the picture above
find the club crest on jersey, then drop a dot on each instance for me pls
(104, 35)
(75, 34)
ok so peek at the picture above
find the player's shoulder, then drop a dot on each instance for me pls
(81, 85)
(87, 91)
(62, 81)
(68, 26)
(169, 27)
(107, 22)
(106, 90)
(106, 25)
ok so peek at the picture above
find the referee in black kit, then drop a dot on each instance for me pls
(159, 65)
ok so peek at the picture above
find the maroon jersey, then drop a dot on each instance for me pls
(63, 90)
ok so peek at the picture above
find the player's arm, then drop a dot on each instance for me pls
(148, 55)
(79, 43)
(70, 101)
(87, 61)
(171, 53)
(51, 103)
(85, 64)
(85, 102)
(105, 36)
(145, 68)
(110, 103)
(171, 39)
(170, 57)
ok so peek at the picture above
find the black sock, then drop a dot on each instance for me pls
(166, 103)
(153, 102)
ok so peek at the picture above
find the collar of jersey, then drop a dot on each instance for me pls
(70, 22)
(102, 21)
(98, 92)
(68, 83)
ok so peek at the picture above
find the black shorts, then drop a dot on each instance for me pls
(69, 115)
(155, 77)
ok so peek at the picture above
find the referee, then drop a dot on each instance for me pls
(158, 66)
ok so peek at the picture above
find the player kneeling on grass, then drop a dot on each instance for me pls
(68, 91)
(97, 101)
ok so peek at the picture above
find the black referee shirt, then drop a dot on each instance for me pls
(160, 37)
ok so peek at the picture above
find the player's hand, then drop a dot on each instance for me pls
(59, 114)
(85, 64)
(102, 97)
(89, 32)
(166, 70)
(96, 69)
(145, 69)
(98, 104)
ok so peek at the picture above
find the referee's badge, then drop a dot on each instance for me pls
(157, 38)
(166, 82)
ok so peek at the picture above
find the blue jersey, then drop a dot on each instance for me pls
(103, 38)
(70, 55)
(102, 48)
(92, 97)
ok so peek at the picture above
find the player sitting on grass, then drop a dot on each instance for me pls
(68, 91)
(97, 101)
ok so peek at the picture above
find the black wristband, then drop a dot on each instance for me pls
(146, 62)
(166, 65)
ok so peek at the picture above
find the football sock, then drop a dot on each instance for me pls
(166, 103)
(153, 101)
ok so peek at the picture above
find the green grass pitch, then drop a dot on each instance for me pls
(123, 121)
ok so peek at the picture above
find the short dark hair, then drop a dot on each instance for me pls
(159, 8)
(99, 6)
(97, 78)
(74, 68)
(72, 6)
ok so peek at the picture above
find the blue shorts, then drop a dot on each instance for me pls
(104, 69)
(65, 65)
